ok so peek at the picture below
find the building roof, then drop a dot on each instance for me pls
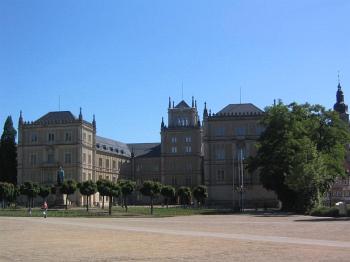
(182, 104)
(145, 149)
(244, 109)
(58, 116)
(112, 146)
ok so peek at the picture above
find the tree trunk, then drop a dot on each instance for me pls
(167, 203)
(103, 202)
(66, 201)
(126, 205)
(151, 205)
(110, 205)
(87, 203)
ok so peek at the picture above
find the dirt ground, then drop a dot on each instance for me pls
(191, 238)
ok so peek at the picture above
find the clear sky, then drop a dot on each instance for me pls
(122, 59)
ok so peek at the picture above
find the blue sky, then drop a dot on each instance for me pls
(121, 60)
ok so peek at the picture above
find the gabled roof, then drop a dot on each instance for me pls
(145, 149)
(182, 104)
(241, 109)
(112, 146)
(59, 116)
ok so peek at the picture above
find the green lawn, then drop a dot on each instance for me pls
(133, 211)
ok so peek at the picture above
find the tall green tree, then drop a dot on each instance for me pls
(68, 187)
(168, 192)
(8, 153)
(126, 187)
(151, 189)
(31, 190)
(87, 188)
(300, 153)
(6, 193)
(185, 195)
(112, 190)
(44, 192)
(102, 189)
(200, 193)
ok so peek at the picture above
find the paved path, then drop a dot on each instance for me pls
(195, 238)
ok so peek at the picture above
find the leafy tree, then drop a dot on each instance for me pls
(8, 153)
(44, 192)
(31, 190)
(112, 189)
(300, 153)
(13, 198)
(68, 187)
(6, 192)
(102, 189)
(185, 195)
(151, 189)
(87, 188)
(168, 192)
(200, 193)
(126, 187)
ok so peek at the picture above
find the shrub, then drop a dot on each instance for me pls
(325, 212)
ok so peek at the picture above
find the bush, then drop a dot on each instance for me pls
(325, 212)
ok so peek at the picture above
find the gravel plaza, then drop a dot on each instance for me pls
(188, 238)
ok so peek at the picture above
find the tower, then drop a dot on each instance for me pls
(181, 145)
(340, 105)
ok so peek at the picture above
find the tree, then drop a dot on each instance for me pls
(68, 187)
(87, 188)
(168, 192)
(31, 190)
(102, 189)
(151, 189)
(112, 189)
(300, 153)
(6, 192)
(185, 195)
(44, 192)
(8, 153)
(126, 187)
(200, 193)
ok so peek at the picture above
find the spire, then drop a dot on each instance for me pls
(20, 120)
(192, 101)
(340, 105)
(80, 115)
(195, 103)
(169, 102)
(162, 124)
(205, 112)
(173, 104)
(93, 121)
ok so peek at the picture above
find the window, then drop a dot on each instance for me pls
(188, 139)
(84, 136)
(107, 163)
(50, 158)
(220, 176)
(34, 138)
(98, 145)
(104, 147)
(188, 149)
(188, 181)
(90, 138)
(84, 158)
(67, 158)
(89, 159)
(173, 149)
(51, 137)
(220, 154)
(220, 131)
(173, 181)
(173, 140)
(68, 136)
(240, 131)
(100, 162)
(114, 164)
(111, 149)
(33, 160)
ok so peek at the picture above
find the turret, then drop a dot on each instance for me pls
(205, 111)
(20, 120)
(94, 122)
(80, 115)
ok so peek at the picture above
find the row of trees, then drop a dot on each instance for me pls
(301, 153)
(106, 188)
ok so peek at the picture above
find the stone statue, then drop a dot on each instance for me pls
(60, 176)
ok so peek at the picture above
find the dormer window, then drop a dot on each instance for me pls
(104, 147)
(98, 145)
(111, 149)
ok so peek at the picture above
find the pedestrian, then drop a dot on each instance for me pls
(45, 209)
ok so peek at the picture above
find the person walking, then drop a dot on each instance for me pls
(45, 209)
